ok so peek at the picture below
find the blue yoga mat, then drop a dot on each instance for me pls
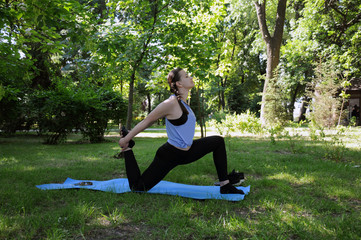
(120, 185)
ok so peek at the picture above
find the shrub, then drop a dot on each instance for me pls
(332, 143)
(105, 105)
(244, 123)
(325, 107)
(275, 107)
(291, 135)
(60, 111)
(335, 149)
(12, 110)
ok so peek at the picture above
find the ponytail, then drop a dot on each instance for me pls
(174, 77)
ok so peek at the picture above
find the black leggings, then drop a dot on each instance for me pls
(168, 157)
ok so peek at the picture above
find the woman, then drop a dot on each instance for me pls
(180, 148)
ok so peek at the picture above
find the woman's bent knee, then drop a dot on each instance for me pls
(218, 139)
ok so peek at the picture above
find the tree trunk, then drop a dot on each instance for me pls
(199, 111)
(138, 62)
(149, 103)
(273, 43)
(130, 100)
(291, 106)
(219, 97)
(222, 101)
(41, 71)
(303, 109)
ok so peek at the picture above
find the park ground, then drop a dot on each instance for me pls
(301, 188)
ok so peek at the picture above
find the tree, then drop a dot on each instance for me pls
(139, 30)
(130, 46)
(190, 41)
(323, 29)
(31, 41)
(273, 43)
(199, 52)
(325, 89)
(45, 42)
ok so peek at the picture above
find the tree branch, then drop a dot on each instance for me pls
(354, 21)
(146, 43)
(280, 20)
(337, 10)
(164, 7)
(261, 15)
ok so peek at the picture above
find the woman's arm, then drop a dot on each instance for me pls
(162, 110)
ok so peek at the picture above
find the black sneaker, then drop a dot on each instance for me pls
(235, 178)
(230, 189)
(124, 133)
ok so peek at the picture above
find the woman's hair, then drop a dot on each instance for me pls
(174, 77)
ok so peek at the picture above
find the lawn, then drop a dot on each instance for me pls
(297, 192)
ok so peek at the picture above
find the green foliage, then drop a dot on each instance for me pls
(120, 43)
(158, 36)
(60, 111)
(275, 110)
(297, 58)
(275, 132)
(46, 41)
(243, 123)
(293, 141)
(353, 121)
(57, 112)
(36, 38)
(2, 92)
(326, 104)
(244, 96)
(12, 110)
(332, 141)
(234, 82)
(103, 106)
(335, 149)
(292, 135)
(219, 116)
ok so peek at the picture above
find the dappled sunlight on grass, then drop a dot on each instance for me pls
(114, 217)
(8, 161)
(306, 179)
(338, 192)
(15, 226)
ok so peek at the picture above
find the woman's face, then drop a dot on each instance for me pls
(185, 80)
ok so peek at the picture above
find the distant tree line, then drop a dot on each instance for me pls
(76, 65)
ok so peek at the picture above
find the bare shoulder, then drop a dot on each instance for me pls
(171, 101)
(168, 108)
(165, 108)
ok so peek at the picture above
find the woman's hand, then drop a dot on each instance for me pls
(164, 109)
(123, 143)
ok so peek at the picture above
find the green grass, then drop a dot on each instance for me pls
(298, 195)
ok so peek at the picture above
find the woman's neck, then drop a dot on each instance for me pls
(184, 95)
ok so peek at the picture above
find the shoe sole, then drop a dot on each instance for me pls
(234, 184)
